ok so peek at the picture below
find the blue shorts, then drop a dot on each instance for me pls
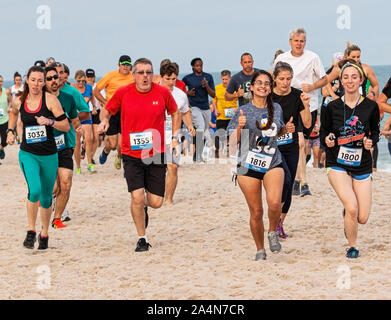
(88, 121)
(357, 177)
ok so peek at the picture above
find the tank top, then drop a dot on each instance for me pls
(3, 107)
(37, 139)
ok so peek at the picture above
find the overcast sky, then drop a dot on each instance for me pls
(86, 33)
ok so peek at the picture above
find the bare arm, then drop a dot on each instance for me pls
(306, 114)
(99, 96)
(55, 107)
(13, 117)
(372, 79)
(382, 102)
(104, 117)
(186, 117)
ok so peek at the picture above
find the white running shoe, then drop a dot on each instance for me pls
(65, 215)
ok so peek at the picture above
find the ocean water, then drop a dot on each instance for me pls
(383, 73)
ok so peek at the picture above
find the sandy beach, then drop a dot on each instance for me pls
(202, 247)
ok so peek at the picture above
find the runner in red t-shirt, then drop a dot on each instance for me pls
(143, 105)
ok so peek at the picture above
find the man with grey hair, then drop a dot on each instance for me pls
(143, 105)
(309, 76)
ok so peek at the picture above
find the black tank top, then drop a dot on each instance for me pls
(37, 139)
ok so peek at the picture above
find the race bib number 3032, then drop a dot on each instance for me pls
(35, 134)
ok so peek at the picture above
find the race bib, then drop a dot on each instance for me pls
(141, 140)
(60, 142)
(349, 156)
(259, 162)
(35, 134)
(285, 139)
(229, 113)
(168, 129)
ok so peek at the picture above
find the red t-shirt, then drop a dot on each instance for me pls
(181, 85)
(142, 118)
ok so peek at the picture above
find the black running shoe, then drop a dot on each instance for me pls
(30, 239)
(352, 253)
(146, 217)
(43, 242)
(142, 245)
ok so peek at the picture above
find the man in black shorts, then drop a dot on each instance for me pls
(66, 142)
(143, 105)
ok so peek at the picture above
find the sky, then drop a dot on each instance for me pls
(86, 33)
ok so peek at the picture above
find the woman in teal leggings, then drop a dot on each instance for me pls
(40, 112)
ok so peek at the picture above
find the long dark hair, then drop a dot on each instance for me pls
(26, 90)
(269, 100)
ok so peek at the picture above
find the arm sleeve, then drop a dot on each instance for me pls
(102, 83)
(387, 89)
(325, 124)
(73, 112)
(171, 105)
(375, 125)
(232, 86)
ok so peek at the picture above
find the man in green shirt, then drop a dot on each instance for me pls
(66, 142)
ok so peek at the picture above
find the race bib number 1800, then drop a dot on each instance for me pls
(35, 134)
(141, 140)
(349, 156)
(258, 161)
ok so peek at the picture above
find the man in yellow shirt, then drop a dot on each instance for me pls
(112, 81)
(223, 109)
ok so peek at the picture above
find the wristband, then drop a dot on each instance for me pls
(52, 122)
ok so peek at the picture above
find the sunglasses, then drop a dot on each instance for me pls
(50, 78)
(78, 81)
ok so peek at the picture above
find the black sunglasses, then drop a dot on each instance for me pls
(50, 78)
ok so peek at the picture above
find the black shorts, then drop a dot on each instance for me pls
(65, 159)
(95, 118)
(149, 174)
(243, 171)
(114, 125)
(307, 132)
(3, 134)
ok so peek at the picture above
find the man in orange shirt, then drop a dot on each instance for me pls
(112, 81)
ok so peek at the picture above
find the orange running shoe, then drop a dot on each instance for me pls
(57, 224)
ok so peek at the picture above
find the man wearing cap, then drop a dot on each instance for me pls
(112, 81)
(95, 110)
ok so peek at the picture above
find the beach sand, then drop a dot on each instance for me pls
(202, 247)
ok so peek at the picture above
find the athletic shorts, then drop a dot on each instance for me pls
(357, 177)
(88, 121)
(3, 134)
(95, 118)
(243, 171)
(313, 143)
(65, 159)
(151, 176)
(172, 159)
(307, 132)
(114, 125)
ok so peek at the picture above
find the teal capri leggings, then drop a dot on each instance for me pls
(40, 173)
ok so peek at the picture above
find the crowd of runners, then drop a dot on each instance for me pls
(270, 121)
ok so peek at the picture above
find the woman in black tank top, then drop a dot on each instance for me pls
(40, 113)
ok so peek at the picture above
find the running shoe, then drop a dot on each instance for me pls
(117, 162)
(352, 253)
(91, 168)
(30, 239)
(57, 224)
(305, 190)
(65, 216)
(146, 217)
(103, 157)
(274, 242)
(43, 242)
(93, 161)
(296, 188)
(2, 154)
(142, 245)
(320, 166)
(260, 255)
(280, 230)
(78, 171)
